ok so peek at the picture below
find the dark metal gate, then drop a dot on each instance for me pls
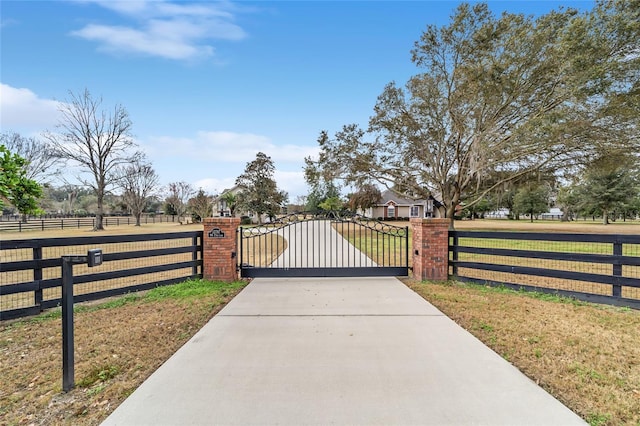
(309, 245)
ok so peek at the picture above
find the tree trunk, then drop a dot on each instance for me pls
(605, 217)
(99, 214)
(138, 219)
(450, 213)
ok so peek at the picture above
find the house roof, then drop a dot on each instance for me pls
(234, 190)
(391, 195)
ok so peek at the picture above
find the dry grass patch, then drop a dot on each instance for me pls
(587, 356)
(118, 345)
(261, 250)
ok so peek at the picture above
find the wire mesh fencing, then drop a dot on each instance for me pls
(606, 266)
(30, 270)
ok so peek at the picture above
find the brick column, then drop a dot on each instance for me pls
(220, 243)
(430, 249)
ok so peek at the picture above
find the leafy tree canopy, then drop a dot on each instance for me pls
(260, 193)
(15, 187)
(496, 99)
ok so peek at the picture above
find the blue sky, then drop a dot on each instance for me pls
(209, 84)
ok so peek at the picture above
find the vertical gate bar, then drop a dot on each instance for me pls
(379, 248)
(309, 240)
(354, 245)
(241, 256)
(392, 250)
(383, 247)
(356, 237)
(406, 245)
(330, 247)
(287, 231)
(313, 246)
(374, 254)
(253, 249)
(342, 241)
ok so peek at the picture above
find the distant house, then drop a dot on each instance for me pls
(220, 206)
(393, 206)
(222, 209)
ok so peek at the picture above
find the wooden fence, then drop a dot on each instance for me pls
(77, 222)
(592, 267)
(30, 270)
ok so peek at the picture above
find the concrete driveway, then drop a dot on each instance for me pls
(336, 351)
(315, 244)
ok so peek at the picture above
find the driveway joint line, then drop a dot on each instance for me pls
(330, 315)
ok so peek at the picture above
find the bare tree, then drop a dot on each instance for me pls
(37, 153)
(178, 198)
(97, 141)
(139, 182)
(201, 205)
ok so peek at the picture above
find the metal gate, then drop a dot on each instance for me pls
(310, 245)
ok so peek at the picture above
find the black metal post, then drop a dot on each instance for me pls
(456, 242)
(194, 255)
(406, 246)
(93, 258)
(617, 268)
(37, 276)
(68, 362)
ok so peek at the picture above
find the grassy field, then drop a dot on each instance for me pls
(118, 344)
(588, 356)
(258, 249)
(393, 252)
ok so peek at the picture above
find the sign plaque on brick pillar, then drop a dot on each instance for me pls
(430, 245)
(220, 248)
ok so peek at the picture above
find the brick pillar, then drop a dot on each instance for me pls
(220, 243)
(430, 249)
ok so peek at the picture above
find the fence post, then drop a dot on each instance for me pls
(194, 256)
(219, 241)
(454, 257)
(68, 357)
(37, 276)
(430, 249)
(617, 268)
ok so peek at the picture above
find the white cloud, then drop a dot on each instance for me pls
(169, 30)
(292, 182)
(213, 185)
(228, 147)
(23, 111)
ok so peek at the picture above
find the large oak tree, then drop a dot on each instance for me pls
(496, 99)
(260, 193)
